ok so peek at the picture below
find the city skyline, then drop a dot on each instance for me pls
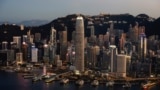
(18, 10)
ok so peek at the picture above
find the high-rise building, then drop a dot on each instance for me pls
(7, 55)
(46, 52)
(25, 47)
(17, 40)
(113, 60)
(53, 36)
(21, 27)
(141, 29)
(136, 32)
(106, 40)
(29, 38)
(105, 59)
(112, 40)
(63, 43)
(101, 40)
(92, 57)
(79, 44)
(142, 46)
(121, 65)
(111, 29)
(128, 64)
(19, 58)
(4, 45)
(128, 48)
(122, 42)
(24, 39)
(92, 38)
(25, 51)
(92, 31)
(73, 37)
(130, 33)
(53, 44)
(37, 37)
(34, 55)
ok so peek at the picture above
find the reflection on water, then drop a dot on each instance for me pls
(14, 81)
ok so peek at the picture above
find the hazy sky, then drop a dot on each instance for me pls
(19, 10)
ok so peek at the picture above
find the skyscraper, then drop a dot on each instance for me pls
(113, 61)
(24, 39)
(34, 54)
(92, 31)
(135, 32)
(53, 36)
(121, 65)
(63, 43)
(4, 45)
(19, 58)
(142, 46)
(79, 44)
(53, 45)
(17, 40)
(37, 37)
(122, 42)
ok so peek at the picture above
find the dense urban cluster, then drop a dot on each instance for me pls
(121, 53)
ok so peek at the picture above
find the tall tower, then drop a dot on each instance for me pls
(92, 31)
(53, 44)
(113, 60)
(106, 40)
(135, 34)
(79, 44)
(122, 42)
(53, 36)
(142, 46)
(92, 57)
(63, 43)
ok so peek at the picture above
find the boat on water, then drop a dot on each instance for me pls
(95, 83)
(8, 69)
(127, 85)
(80, 82)
(50, 79)
(64, 81)
(48, 75)
(37, 78)
(26, 76)
(148, 85)
(110, 83)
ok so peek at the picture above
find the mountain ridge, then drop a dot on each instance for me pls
(100, 22)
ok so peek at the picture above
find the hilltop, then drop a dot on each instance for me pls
(100, 22)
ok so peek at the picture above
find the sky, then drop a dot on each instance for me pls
(20, 10)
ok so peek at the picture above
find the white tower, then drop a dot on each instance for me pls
(79, 44)
(142, 46)
(113, 61)
(53, 36)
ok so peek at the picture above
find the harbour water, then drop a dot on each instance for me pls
(15, 81)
